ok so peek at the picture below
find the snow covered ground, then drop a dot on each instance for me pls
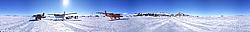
(130, 24)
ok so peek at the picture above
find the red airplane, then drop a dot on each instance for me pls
(112, 16)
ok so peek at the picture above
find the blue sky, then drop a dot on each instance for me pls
(88, 7)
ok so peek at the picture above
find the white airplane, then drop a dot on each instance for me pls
(63, 17)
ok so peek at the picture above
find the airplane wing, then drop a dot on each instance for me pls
(99, 12)
(66, 14)
(72, 13)
(51, 14)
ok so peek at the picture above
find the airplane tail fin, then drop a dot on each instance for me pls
(105, 12)
(43, 14)
(64, 13)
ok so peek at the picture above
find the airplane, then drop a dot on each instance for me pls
(38, 17)
(112, 16)
(63, 17)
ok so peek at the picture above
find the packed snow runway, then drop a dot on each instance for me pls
(129, 24)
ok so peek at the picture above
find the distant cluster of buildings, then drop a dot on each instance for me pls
(161, 14)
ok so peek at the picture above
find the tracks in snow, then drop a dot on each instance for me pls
(140, 24)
